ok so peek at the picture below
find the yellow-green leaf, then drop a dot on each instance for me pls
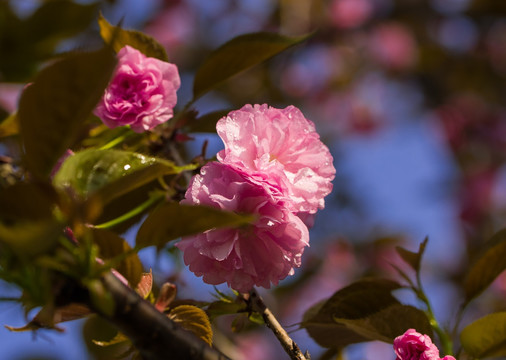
(10, 126)
(136, 39)
(193, 319)
(486, 337)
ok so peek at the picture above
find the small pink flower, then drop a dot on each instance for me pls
(142, 92)
(258, 254)
(279, 149)
(414, 346)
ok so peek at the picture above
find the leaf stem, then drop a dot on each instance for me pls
(257, 304)
(136, 211)
(117, 140)
(446, 342)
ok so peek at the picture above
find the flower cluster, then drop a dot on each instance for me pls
(142, 92)
(415, 346)
(274, 166)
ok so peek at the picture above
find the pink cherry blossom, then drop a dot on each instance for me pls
(259, 254)
(142, 92)
(279, 149)
(415, 346)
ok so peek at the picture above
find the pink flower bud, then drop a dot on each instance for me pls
(142, 92)
(415, 346)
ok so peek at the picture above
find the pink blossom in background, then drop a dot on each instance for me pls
(415, 346)
(173, 26)
(260, 254)
(9, 96)
(142, 92)
(393, 46)
(350, 13)
(280, 149)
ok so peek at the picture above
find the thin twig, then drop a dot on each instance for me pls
(257, 304)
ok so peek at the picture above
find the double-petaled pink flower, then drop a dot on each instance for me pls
(274, 166)
(279, 148)
(142, 92)
(258, 254)
(415, 346)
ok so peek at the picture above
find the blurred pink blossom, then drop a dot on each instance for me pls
(174, 25)
(350, 13)
(141, 94)
(393, 46)
(279, 149)
(9, 96)
(415, 346)
(260, 254)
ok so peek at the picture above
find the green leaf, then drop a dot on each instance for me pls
(113, 246)
(386, 324)
(53, 109)
(193, 319)
(207, 123)
(173, 220)
(358, 300)
(412, 258)
(237, 55)
(487, 267)
(136, 39)
(29, 239)
(111, 173)
(486, 337)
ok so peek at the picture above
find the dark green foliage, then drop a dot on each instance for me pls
(207, 123)
(171, 221)
(486, 267)
(237, 55)
(114, 248)
(363, 311)
(26, 42)
(413, 259)
(53, 109)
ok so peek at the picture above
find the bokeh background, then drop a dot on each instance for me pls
(409, 96)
